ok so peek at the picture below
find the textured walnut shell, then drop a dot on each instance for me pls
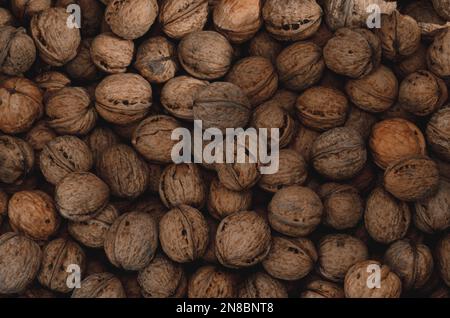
(386, 219)
(80, 196)
(322, 108)
(323, 289)
(102, 285)
(17, 50)
(261, 285)
(394, 139)
(21, 258)
(205, 54)
(82, 67)
(99, 140)
(300, 65)
(111, 53)
(56, 42)
(412, 178)
(303, 141)
(183, 233)
(6, 18)
(438, 133)
(162, 278)
(51, 81)
(20, 105)
(39, 136)
(337, 253)
(412, 63)
(33, 213)
(443, 258)
(91, 12)
(151, 205)
(38, 292)
(262, 44)
(123, 98)
(181, 17)
(438, 60)
(25, 9)
(212, 282)
(361, 121)
(442, 7)
(17, 159)
(63, 155)
(124, 171)
(131, 241)
(428, 19)
(290, 20)
(236, 248)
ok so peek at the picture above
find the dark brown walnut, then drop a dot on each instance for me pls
(222, 105)
(438, 133)
(80, 196)
(337, 253)
(17, 50)
(262, 44)
(51, 81)
(438, 54)
(102, 285)
(91, 233)
(110, 53)
(182, 184)
(361, 121)
(212, 282)
(177, 96)
(152, 138)
(238, 248)
(321, 37)
(63, 155)
(290, 258)
(17, 159)
(412, 262)
(124, 171)
(442, 7)
(3, 205)
(386, 219)
(123, 98)
(131, 241)
(397, 111)
(238, 20)
(285, 99)
(429, 21)
(131, 19)
(412, 63)
(303, 141)
(210, 254)
(322, 108)
(183, 233)
(20, 105)
(162, 278)
(56, 42)
(343, 206)
(261, 285)
(82, 67)
(393, 139)
(443, 258)
(290, 20)
(130, 285)
(205, 54)
(6, 18)
(25, 9)
(353, 52)
(33, 213)
(356, 286)
(412, 178)
(91, 11)
(100, 139)
(366, 179)
(21, 258)
(300, 65)
(323, 289)
(375, 92)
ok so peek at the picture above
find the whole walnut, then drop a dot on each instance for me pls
(303, 141)
(361, 121)
(393, 139)
(443, 258)
(375, 92)
(442, 8)
(110, 53)
(323, 289)
(291, 20)
(290, 258)
(238, 248)
(151, 205)
(285, 99)
(100, 139)
(205, 54)
(20, 105)
(162, 278)
(57, 258)
(438, 133)
(353, 52)
(437, 55)
(17, 158)
(124, 171)
(300, 65)
(33, 213)
(212, 282)
(412, 63)
(261, 285)
(21, 258)
(356, 281)
(92, 232)
(82, 67)
(25, 9)
(322, 108)
(183, 233)
(102, 285)
(181, 17)
(337, 253)
(80, 196)
(262, 44)
(51, 81)
(6, 18)
(386, 219)
(18, 50)
(412, 262)
(123, 98)
(429, 21)
(131, 241)
(56, 42)
(131, 19)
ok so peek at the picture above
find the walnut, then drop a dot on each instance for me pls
(303, 141)
(3, 205)
(18, 50)
(25, 9)
(151, 205)
(437, 55)
(6, 18)
(261, 285)
(17, 159)
(442, 8)
(412, 63)
(50, 82)
(438, 133)
(361, 121)
(429, 21)
(99, 140)
(262, 44)
(443, 258)
(212, 282)
(91, 11)
(111, 53)
(323, 289)
(155, 172)
(102, 285)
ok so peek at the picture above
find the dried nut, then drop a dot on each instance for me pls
(290, 258)
(24, 10)
(82, 67)
(442, 7)
(21, 258)
(438, 133)
(337, 253)
(80, 196)
(91, 12)
(17, 159)
(162, 278)
(323, 289)
(212, 282)
(238, 248)
(111, 53)
(386, 219)
(51, 81)
(429, 21)
(102, 285)
(412, 63)
(438, 52)
(261, 285)
(295, 211)
(17, 50)
(303, 141)
(58, 257)
(99, 140)
(6, 18)
(262, 44)
(151, 205)
(39, 136)
(131, 241)
(361, 121)
(443, 258)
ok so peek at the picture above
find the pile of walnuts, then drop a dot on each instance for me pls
(87, 180)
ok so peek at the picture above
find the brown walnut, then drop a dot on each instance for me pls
(438, 133)
(323, 289)
(82, 67)
(102, 285)
(17, 159)
(262, 44)
(110, 53)
(17, 50)
(443, 258)
(261, 285)
(442, 7)
(212, 282)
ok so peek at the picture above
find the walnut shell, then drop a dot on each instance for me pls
(443, 258)
(6, 18)
(25, 9)
(323, 289)
(212, 282)
(3, 205)
(303, 141)
(361, 121)
(412, 63)
(91, 13)
(261, 285)
(102, 285)
(438, 54)
(17, 159)
(262, 44)
(429, 21)
(18, 50)
(442, 8)
(99, 140)
(82, 67)
(438, 133)
(111, 53)
(51, 81)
